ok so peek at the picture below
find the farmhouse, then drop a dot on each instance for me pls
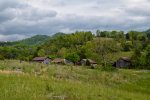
(123, 62)
(44, 60)
(88, 62)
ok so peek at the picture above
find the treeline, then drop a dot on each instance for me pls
(20, 52)
(101, 47)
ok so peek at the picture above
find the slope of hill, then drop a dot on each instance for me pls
(58, 35)
(147, 32)
(35, 40)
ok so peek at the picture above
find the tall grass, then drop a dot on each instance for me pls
(34, 81)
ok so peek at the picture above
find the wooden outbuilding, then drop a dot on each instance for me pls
(123, 62)
(58, 61)
(44, 60)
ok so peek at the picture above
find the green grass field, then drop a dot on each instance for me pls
(34, 81)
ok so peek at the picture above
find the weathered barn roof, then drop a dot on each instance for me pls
(125, 59)
(58, 60)
(39, 58)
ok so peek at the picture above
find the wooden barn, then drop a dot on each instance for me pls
(58, 61)
(123, 62)
(44, 60)
(62, 61)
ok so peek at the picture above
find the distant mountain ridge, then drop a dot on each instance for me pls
(35, 40)
(41, 39)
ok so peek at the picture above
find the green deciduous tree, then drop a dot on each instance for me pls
(105, 46)
(148, 55)
(41, 52)
(74, 57)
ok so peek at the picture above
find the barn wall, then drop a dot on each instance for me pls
(122, 64)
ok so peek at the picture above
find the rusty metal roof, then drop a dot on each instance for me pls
(39, 58)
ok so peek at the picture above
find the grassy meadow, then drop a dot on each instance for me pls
(34, 81)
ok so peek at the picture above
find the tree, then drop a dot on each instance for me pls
(88, 50)
(98, 33)
(105, 46)
(52, 56)
(138, 58)
(134, 35)
(41, 52)
(62, 52)
(127, 46)
(104, 34)
(148, 55)
(74, 57)
(2, 57)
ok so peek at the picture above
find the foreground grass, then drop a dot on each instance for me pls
(32, 81)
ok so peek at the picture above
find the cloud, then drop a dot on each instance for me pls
(8, 4)
(30, 17)
(13, 37)
(35, 14)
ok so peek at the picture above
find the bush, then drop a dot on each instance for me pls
(107, 68)
(2, 57)
(127, 46)
(74, 57)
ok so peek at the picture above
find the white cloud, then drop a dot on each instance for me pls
(25, 17)
(12, 37)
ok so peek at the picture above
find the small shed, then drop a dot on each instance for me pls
(88, 62)
(123, 62)
(44, 60)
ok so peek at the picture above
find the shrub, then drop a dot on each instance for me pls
(74, 57)
(2, 57)
(107, 68)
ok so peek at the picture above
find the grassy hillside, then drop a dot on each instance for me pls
(34, 81)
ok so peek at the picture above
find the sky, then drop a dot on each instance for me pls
(20, 19)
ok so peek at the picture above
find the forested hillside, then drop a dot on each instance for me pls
(35, 40)
(105, 47)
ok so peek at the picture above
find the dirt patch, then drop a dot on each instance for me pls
(10, 72)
